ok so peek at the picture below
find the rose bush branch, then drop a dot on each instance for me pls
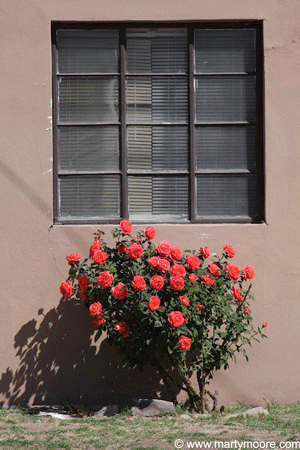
(182, 313)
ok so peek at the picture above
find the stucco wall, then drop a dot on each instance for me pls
(45, 350)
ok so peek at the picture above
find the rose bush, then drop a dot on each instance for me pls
(159, 306)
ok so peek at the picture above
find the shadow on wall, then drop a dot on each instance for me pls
(63, 360)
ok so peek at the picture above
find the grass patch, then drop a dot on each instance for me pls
(19, 429)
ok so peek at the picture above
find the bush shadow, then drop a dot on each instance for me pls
(63, 359)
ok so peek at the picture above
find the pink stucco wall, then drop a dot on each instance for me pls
(45, 351)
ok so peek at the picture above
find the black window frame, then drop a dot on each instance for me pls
(123, 172)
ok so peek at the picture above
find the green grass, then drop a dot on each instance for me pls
(21, 430)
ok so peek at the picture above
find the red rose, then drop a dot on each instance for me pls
(175, 253)
(248, 273)
(126, 227)
(95, 246)
(193, 262)
(83, 283)
(265, 324)
(135, 251)
(229, 250)
(184, 342)
(175, 319)
(193, 277)
(105, 279)
(138, 283)
(205, 253)
(99, 257)
(176, 283)
(163, 249)
(119, 291)
(83, 296)
(122, 249)
(73, 257)
(233, 271)
(153, 303)
(214, 269)
(150, 233)
(198, 306)
(95, 309)
(122, 328)
(178, 270)
(184, 300)
(66, 289)
(206, 279)
(236, 293)
(99, 322)
(246, 311)
(154, 261)
(156, 282)
(163, 265)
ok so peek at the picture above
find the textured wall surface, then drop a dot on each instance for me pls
(46, 349)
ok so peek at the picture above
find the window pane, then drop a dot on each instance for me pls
(88, 99)
(223, 51)
(159, 99)
(88, 51)
(157, 148)
(225, 99)
(158, 198)
(89, 197)
(226, 148)
(226, 196)
(89, 148)
(156, 50)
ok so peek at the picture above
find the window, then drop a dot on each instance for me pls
(158, 123)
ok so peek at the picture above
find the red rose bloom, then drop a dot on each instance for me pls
(178, 270)
(83, 296)
(119, 291)
(205, 253)
(138, 283)
(105, 279)
(214, 269)
(236, 293)
(95, 309)
(122, 328)
(95, 246)
(206, 279)
(175, 253)
(83, 283)
(99, 257)
(265, 324)
(122, 249)
(248, 273)
(163, 265)
(233, 271)
(193, 277)
(154, 261)
(135, 251)
(150, 233)
(66, 289)
(184, 342)
(126, 227)
(193, 262)
(99, 322)
(184, 300)
(198, 306)
(175, 319)
(73, 257)
(153, 303)
(163, 249)
(156, 282)
(246, 311)
(176, 283)
(229, 250)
